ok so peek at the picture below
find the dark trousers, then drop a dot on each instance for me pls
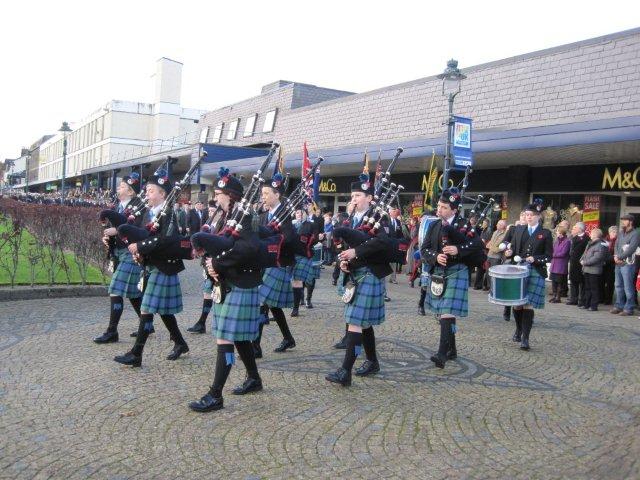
(608, 281)
(591, 290)
(577, 290)
(478, 284)
(336, 271)
(558, 280)
(564, 286)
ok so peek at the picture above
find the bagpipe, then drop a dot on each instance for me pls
(385, 194)
(172, 246)
(113, 218)
(215, 245)
(276, 251)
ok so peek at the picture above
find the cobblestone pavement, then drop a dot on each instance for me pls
(569, 408)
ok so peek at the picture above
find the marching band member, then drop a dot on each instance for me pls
(534, 245)
(303, 268)
(276, 292)
(237, 317)
(444, 250)
(318, 231)
(367, 307)
(126, 275)
(162, 293)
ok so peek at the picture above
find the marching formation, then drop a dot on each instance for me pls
(260, 249)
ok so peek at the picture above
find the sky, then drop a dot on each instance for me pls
(63, 60)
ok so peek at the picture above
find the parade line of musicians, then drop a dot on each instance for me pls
(245, 298)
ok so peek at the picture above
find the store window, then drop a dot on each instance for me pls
(572, 207)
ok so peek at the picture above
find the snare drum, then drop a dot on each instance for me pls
(508, 285)
(318, 255)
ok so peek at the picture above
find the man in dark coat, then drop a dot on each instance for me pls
(197, 217)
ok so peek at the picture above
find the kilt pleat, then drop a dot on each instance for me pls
(124, 282)
(302, 269)
(315, 271)
(163, 294)
(276, 290)
(455, 299)
(535, 288)
(367, 307)
(237, 319)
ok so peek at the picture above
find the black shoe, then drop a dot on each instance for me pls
(341, 376)
(387, 299)
(257, 350)
(129, 359)
(452, 354)
(294, 312)
(308, 304)
(248, 386)
(593, 309)
(178, 350)
(135, 334)
(285, 345)
(107, 337)
(342, 344)
(368, 368)
(517, 337)
(571, 303)
(525, 344)
(506, 318)
(421, 310)
(439, 360)
(207, 404)
(334, 282)
(198, 328)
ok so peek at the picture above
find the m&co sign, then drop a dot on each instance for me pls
(620, 179)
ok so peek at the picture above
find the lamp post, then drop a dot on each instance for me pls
(451, 86)
(64, 129)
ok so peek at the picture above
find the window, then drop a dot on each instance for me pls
(269, 121)
(204, 133)
(233, 128)
(250, 126)
(217, 133)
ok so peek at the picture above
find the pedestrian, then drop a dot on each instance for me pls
(592, 261)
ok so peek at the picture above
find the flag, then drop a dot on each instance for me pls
(431, 194)
(306, 166)
(365, 162)
(378, 168)
(279, 168)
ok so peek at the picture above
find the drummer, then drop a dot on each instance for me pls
(530, 245)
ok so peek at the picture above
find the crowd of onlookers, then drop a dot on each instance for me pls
(74, 197)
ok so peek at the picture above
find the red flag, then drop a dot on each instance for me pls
(306, 166)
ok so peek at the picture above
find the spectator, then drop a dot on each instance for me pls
(494, 254)
(608, 271)
(559, 263)
(579, 242)
(592, 261)
(624, 251)
(181, 218)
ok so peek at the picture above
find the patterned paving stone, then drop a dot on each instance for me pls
(569, 408)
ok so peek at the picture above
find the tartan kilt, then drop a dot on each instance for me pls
(535, 288)
(124, 282)
(315, 272)
(163, 294)
(302, 269)
(276, 290)
(237, 319)
(455, 299)
(367, 307)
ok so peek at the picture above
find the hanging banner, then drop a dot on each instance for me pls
(461, 141)
(591, 212)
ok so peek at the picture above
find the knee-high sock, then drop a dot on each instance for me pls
(245, 350)
(369, 344)
(423, 296)
(224, 362)
(298, 294)
(115, 313)
(527, 322)
(445, 334)
(354, 346)
(144, 327)
(517, 314)
(172, 325)
(257, 341)
(281, 320)
(452, 336)
(207, 303)
(310, 286)
(136, 303)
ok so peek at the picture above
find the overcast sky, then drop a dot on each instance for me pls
(63, 60)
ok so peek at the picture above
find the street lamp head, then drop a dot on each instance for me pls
(64, 128)
(451, 78)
